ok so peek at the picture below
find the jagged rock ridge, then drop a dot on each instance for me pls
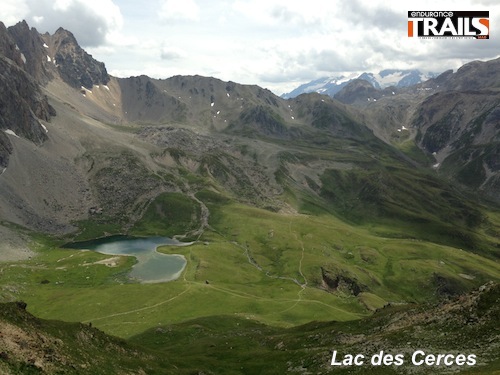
(76, 67)
(23, 104)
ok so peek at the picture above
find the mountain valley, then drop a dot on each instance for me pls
(308, 218)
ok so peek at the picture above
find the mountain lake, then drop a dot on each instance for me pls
(151, 266)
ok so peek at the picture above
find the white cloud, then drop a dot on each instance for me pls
(272, 43)
(179, 10)
(289, 13)
(38, 19)
(353, 36)
(62, 5)
(89, 20)
(13, 11)
(172, 53)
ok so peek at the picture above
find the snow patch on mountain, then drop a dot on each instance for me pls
(325, 85)
(11, 132)
(386, 78)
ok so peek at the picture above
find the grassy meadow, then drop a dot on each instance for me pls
(251, 264)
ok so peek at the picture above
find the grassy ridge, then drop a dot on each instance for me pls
(228, 344)
(371, 184)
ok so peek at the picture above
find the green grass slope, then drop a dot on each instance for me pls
(229, 345)
(34, 346)
(234, 345)
(277, 269)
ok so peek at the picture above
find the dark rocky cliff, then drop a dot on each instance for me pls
(22, 104)
(76, 67)
(34, 54)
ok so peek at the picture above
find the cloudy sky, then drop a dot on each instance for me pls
(277, 44)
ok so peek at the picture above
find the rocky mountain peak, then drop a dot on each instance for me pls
(64, 34)
(476, 75)
(358, 90)
(381, 80)
(75, 66)
(8, 47)
(22, 104)
(31, 46)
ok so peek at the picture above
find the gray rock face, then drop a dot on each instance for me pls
(5, 150)
(34, 54)
(76, 67)
(22, 103)
(357, 90)
(8, 47)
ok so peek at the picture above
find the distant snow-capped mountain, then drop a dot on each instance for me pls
(389, 77)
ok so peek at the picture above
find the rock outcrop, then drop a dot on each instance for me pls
(22, 104)
(338, 280)
(34, 54)
(75, 66)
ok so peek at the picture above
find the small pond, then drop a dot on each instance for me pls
(151, 266)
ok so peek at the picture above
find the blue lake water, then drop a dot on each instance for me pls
(151, 266)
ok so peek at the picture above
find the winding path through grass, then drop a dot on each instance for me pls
(234, 292)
